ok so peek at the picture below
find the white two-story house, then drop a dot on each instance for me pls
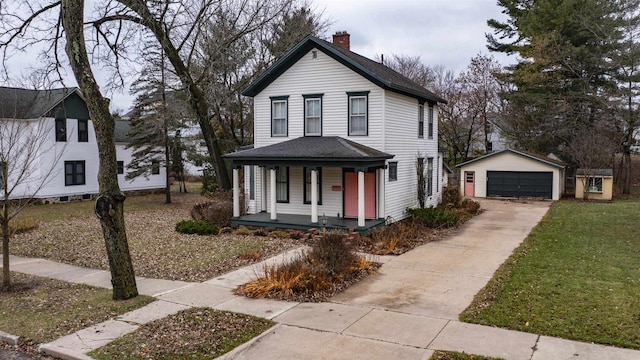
(337, 138)
(66, 157)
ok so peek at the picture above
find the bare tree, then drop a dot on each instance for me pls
(28, 160)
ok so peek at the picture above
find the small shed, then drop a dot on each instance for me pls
(513, 174)
(597, 182)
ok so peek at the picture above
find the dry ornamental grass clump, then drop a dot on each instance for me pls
(329, 267)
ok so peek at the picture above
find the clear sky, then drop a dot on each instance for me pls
(441, 32)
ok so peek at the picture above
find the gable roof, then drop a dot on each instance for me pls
(532, 156)
(311, 150)
(375, 72)
(31, 104)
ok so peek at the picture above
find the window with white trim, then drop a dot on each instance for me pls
(83, 130)
(594, 184)
(312, 115)
(358, 113)
(279, 116)
(393, 171)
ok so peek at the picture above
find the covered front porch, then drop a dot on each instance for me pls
(353, 180)
(303, 222)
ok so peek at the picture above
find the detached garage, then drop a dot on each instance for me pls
(512, 174)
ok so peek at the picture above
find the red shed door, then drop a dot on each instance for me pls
(351, 195)
(469, 183)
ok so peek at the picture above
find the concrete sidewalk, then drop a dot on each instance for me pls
(406, 311)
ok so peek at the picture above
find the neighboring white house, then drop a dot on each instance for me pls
(69, 150)
(512, 174)
(336, 138)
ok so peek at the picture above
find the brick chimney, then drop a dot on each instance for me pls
(341, 38)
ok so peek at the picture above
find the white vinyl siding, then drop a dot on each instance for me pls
(333, 80)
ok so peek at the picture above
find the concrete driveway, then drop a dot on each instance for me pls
(412, 304)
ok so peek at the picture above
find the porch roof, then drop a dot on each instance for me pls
(310, 151)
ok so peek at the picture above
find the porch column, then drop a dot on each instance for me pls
(381, 194)
(263, 189)
(274, 210)
(314, 195)
(236, 192)
(361, 198)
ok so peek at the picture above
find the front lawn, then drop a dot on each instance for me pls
(157, 250)
(576, 276)
(43, 309)
(197, 333)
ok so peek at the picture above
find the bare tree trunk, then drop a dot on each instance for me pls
(165, 124)
(196, 95)
(6, 273)
(110, 203)
(626, 164)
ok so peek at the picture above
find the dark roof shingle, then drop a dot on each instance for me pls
(30, 104)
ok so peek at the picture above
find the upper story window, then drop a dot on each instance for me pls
(358, 113)
(155, 167)
(120, 167)
(74, 173)
(83, 130)
(61, 129)
(430, 122)
(279, 116)
(421, 120)
(312, 115)
(3, 175)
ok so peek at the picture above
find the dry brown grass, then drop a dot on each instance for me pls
(156, 249)
(330, 267)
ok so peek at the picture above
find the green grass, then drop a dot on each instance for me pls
(45, 309)
(197, 333)
(452, 355)
(79, 209)
(576, 276)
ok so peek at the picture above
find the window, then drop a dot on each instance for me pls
(489, 146)
(429, 176)
(61, 129)
(421, 121)
(155, 167)
(358, 113)
(430, 122)
(279, 116)
(120, 167)
(438, 180)
(594, 184)
(252, 183)
(393, 171)
(83, 130)
(74, 173)
(282, 184)
(312, 115)
(307, 185)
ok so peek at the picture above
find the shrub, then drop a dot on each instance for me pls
(243, 231)
(260, 232)
(196, 227)
(434, 217)
(395, 238)
(451, 196)
(219, 210)
(279, 234)
(470, 206)
(334, 252)
(226, 230)
(296, 234)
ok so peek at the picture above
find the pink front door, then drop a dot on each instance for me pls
(351, 195)
(469, 183)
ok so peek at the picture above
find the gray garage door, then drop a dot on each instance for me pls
(520, 184)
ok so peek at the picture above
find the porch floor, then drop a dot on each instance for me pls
(303, 222)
